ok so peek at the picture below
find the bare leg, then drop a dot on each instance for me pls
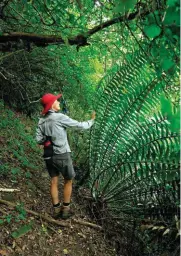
(54, 190)
(67, 191)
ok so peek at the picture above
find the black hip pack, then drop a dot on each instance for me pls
(48, 148)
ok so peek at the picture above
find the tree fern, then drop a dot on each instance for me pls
(133, 150)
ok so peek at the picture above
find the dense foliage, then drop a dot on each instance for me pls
(122, 59)
(134, 152)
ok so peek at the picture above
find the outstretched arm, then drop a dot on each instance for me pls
(69, 122)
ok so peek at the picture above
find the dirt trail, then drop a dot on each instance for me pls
(44, 238)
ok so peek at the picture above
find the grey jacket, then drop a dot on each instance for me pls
(54, 125)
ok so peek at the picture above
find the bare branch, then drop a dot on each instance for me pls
(53, 221)
(3, 76)
(8, 189)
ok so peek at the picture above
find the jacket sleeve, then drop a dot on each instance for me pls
(71, 123)
(40, 138)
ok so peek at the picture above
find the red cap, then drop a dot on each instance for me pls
(47, 101)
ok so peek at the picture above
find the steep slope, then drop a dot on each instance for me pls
(22, 169)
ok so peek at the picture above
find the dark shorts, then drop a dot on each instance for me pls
(61, 164)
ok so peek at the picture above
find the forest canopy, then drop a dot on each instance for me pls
(99, 34)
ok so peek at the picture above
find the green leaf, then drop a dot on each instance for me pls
(124, 5)
(166, 106)
(150, 19)
(168, 33)
(171, 2)
(83, 20)
(168, 187)
(155, 50)
(71, 18)
(9, 218)
(167, 63)
(175, 122)
(28, 174)
(172, 16)
(1, 221)
(21, 231)
(152, 30)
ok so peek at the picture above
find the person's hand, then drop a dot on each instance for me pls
(93, 115)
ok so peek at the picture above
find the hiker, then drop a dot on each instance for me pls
(51, 132)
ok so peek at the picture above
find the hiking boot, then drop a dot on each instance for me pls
(57, 212)
(66, 212)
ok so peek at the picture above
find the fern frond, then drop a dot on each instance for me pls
(132, 147)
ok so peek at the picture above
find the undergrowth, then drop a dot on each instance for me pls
(19, 154)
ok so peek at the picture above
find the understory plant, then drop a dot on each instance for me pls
(134, 151)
